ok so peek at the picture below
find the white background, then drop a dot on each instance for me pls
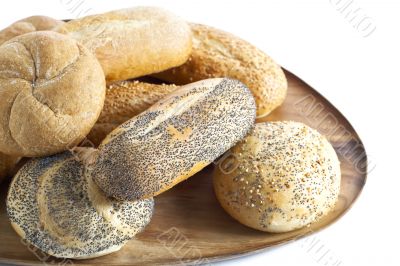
(357, 74)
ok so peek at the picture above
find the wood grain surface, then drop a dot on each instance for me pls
(189, 226)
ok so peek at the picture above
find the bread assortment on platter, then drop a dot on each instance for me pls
(64, 88)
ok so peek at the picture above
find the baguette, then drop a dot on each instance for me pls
(133, 42)
(216, 53)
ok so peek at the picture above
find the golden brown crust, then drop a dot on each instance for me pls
(52, 92)
(216, 53)
(281, 177)
(133, 42)
(125, 100)
(173, 139)
(29, 24)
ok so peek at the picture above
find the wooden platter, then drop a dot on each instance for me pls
(189, 226)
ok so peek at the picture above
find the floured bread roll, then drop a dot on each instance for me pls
(54, 206)
(133, 42)
(29, 24)
(52, 91)
(282, 176)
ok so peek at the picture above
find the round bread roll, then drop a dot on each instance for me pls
(52, 91)
(216, 53)
(55, 207)
(281, 177)
(173, 139)
(29, 24)
(133, 42)
(124, 100)
(7, 164)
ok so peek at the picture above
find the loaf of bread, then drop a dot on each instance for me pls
(174, 139)
(281, 177)
(55, 207)
(219, 54)
(52, 92)
(124, 100)
(7, 164)
(133, 42)
(26, 25)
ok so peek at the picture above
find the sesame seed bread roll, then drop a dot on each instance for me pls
(29, 24)
(281, 177)
(54, 206)
(216, 53)
(124, 100)
(52, 91)
(174, 139)
(7, 164)
(133, 42)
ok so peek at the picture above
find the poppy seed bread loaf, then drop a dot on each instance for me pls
(52, 91)
(174, 139)
(216, 53)
(66, 215)
(284, 176)
(133, 42)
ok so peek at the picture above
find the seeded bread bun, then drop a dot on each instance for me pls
(281, 177)
(124, 100)
(7, 164)
(52, 91)
(55, 207)
(26, 25)
(133, 42)
(216, 53)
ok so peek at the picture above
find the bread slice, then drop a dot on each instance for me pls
(54, 206)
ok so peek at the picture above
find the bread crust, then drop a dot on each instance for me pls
(133, 42)
(52, 91)
(216, 53)
(29, 24)
(124, 100)
(285, 176)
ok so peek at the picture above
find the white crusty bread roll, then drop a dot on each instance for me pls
(29, 24)
(216, 53)
(281, 177)
(133, 42)
(52, 91)
(124, 100)
(173, 139)
(55, 207)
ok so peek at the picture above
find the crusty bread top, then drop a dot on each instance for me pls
(29, 24)
(52, 91)
(133, 42)
(125, 100)
(285, 176)
(216, 53)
